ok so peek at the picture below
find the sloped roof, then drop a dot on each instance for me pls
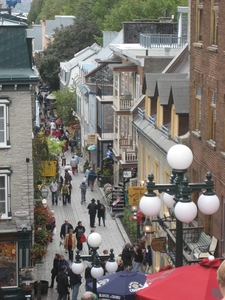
(107, 52)
(80, 56)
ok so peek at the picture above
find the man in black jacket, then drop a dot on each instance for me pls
(65, 229)
(92, 207)
(75, 282)
(63, 284)
(127, 255)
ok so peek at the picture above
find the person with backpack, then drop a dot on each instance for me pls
(101, 212)
(91, 178)
(83, 188)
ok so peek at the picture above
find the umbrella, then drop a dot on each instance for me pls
(51, 97)
(194, 282)
(120, 285)
(91, 147)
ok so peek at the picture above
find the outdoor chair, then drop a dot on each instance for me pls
(211, 251)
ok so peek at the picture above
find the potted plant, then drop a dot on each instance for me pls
(37, 252)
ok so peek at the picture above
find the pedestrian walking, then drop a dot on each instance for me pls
(86, 174)
(63, 262)
(63, 283)
(91, 178)
(63, 157)
(65, 192)
(72, 144)
(79, 230)
(73, 164)
(127, 255)
(65, 228)
(87, 275)
(138, 258)
(70, 243)
(83, 188)
(92, 207)
(54, 189)
(101, 213)
(70, 190)
(75, 282)
(77, 160)
(54, 270)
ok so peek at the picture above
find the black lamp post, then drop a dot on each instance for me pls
(94, 241)
(177, 195)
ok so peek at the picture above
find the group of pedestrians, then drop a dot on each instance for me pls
(98, 209)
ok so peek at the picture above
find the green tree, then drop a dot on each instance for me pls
(65, 103)
(128, 10)
(35, 9)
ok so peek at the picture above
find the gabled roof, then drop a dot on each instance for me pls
(80, 56)
(166, 83)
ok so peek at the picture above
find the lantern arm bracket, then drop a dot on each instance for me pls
(94, 256)
(180, 185)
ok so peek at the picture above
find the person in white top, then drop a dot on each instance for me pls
(54, 189)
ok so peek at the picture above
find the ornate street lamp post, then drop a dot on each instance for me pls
(177, 195)
(94, 241)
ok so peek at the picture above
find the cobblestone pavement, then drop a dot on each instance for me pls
(113, 235)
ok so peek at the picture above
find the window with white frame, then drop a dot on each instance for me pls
(5, 206)
(4, 123)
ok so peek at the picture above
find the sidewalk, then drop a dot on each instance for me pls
(113, 235)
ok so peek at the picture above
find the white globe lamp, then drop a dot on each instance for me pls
(208, 204)
(150, 205)
(111, 266)
(94, 240)
(180, 157)
(185, 211)
(168, 199)
(97, 272)
(77, 267)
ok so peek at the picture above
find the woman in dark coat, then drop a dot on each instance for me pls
(54, 270)
(101, 213)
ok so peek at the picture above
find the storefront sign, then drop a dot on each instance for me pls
(48, 168)
(92, 139)
(127, 174)
(158, 244)
(21, 213)
(135, 193)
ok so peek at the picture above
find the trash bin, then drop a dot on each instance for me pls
(44, 287)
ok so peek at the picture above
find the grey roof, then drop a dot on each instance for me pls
(180, 91)
(107, 52)
(153, 78)
(166, 83)
(154, 135)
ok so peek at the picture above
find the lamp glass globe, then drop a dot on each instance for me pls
(208, 204)
(180, 157)
(111, 266)
(150, 206)
(97, 272)
(185, 211)
(168, 199)
(94, 240)
(77, 267)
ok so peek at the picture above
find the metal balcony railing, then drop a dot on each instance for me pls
(162, 41)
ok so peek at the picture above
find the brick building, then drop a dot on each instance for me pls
(207, 107)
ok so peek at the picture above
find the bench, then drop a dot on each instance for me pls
(201, 244)
(211, 250)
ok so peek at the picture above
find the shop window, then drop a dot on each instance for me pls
(212, 116)
(8, 269)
